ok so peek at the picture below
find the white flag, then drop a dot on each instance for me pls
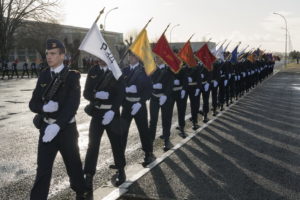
(220, 53)
(95, 44)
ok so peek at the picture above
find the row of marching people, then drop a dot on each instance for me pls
(114, 103)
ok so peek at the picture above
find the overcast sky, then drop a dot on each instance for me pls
(252, 22)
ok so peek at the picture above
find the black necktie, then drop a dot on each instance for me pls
(53, 74)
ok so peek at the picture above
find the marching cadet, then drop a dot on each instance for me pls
(193, 89)
(56, 99)
(14, 68)
(162, 84)
(25, 69)
(179, 95)
(137, 92)
(214, 85)
(33, 69)
(105, 94)
(5, 69)
(205, 90)
(222, 83)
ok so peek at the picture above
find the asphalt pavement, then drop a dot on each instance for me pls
(251, 151)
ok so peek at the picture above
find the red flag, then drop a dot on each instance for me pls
(186, 54)
(206, 57)
(163, 50)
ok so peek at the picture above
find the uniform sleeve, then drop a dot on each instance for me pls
(72, 100)
(36, 103)
(89, 86)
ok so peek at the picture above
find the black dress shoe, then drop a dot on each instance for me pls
(89, 182)
(183, 134)
(162, 137)
(205, 120)
(112, 167)
(120, 178)
(149, 158)
(195, 127)
(168, 145)
(200, 112)
(214, 112)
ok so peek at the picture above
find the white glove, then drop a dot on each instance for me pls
(215, 83)
(236, 78)
(239, 77)
(50, 107)
(176, 82)
(225, 82)
(102, 95)
(50, 132)
(206, 87)
(162, 100)
(135, 108)
(131, 89)
(190, 79)
(197, 92)
(107, 117)
(229, 75)
(202, 75)
(182, 94)
(157, 86)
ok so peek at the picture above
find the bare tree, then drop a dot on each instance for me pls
(14, 13)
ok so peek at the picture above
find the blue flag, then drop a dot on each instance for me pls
(234, 54)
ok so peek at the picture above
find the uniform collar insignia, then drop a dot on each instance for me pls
(93, 77)
(43, 85)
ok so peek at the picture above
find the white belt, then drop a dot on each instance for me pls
(133, 99)
(158, 95)
(103, 107)
(52, 121)
(177, 88)
(193, 83)
(204, 82)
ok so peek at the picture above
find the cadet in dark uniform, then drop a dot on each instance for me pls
(162, 83)
(205, 90)
(214, 85)
(5, 69)
(194, 85)
(25, 69)
(14, 69)
(179, 95)
(33, 69)
(137, 92)
(105, 94)
(56, 99)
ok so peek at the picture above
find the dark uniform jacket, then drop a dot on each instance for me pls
(165, 77)
(98, 80)
(67, 96)
(138, 78)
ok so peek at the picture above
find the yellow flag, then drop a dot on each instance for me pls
(141, 48)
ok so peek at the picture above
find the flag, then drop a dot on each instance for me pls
(163, 50)
(251, 57)
(234, 55)
(206, 57)
(186, 54)
(141, 48)
(220, 53)
(95, 44)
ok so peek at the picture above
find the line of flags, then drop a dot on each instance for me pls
(95, 44)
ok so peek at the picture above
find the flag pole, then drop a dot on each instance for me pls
(191, 36)
(100, 13)
(166, 29)
(126, 52)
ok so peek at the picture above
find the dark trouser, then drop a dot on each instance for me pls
(13, 72)
(166, 117)
(221, 92)
(25, 71)
(114, 133)
(35, 72)
(181, 106)
(194, 103)
(232, 87)
(205, 97)
(227, 92)
(66, 142)
(214, 96)
(5, 71)
(141, 120)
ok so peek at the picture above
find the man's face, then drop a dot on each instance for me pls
(54, 59)
(132, 59)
